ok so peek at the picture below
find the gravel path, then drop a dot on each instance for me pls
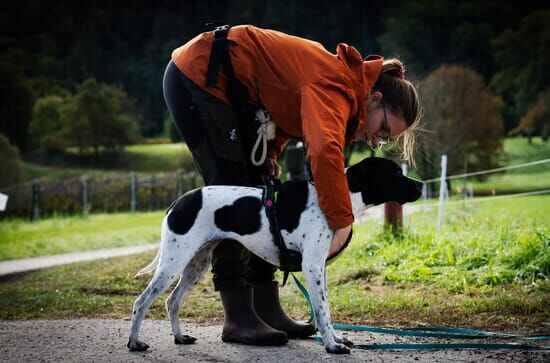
(105, 341)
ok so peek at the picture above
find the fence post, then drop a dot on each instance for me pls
(179, 182)
(152, 195)
(133, 191)
(84, 179)
(36, 201)
(442, 189)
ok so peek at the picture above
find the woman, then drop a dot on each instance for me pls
(327, 100)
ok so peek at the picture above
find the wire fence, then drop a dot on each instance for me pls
(132, 192)
(468, 194)
(85, 194)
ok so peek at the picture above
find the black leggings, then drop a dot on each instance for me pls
(210, 128)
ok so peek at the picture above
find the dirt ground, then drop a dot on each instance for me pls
(105, 341)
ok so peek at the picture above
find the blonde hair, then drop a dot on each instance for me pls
(401, 97)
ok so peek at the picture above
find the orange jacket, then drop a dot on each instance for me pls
(309, 92)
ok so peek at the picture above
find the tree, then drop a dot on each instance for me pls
(537, 119)
(523, 54)
(46, 126)
(16, 99)
(463, 120)
(10, 161)
(97, 116)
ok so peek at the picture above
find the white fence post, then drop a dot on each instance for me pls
(3, 201)
(442, 189)
(133, 191)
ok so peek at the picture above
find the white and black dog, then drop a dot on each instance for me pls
(197, 220)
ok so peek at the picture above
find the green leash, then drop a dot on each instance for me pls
(433, 332)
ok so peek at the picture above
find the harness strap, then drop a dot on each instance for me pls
(290, 260)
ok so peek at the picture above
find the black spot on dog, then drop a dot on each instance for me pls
(184, 210)
(291, 202)
(242, 217)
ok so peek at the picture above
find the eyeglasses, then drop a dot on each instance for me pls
(385, 128)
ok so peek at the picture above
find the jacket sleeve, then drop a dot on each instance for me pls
(325, 113)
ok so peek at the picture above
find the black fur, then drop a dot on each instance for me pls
(381, 180)
(291, 202)
(184, 211)
(242, 217)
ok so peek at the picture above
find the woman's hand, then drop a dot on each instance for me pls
(273, 167)
(338, 239)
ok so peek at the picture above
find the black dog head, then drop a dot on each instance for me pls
(381, 180)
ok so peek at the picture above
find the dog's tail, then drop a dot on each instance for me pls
(150, 267)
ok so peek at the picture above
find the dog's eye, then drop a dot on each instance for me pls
(399, 172)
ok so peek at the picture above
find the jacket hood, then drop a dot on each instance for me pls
(366, 72)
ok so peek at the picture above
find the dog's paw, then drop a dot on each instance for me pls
(346, 342)
(137, 346)
(338, 349)
(343, 340)
(184, 339)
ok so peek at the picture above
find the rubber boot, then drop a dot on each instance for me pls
(268, 308)
(242, 324)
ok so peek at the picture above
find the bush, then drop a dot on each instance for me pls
(10, 162)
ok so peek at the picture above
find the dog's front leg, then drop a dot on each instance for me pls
(314, 271)
(337, 338)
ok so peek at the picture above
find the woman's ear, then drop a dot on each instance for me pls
(375, 96)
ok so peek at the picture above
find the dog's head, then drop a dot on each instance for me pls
(381, 180)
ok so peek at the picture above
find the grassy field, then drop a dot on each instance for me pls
(519, 151)
(21, 239)
(488, 267)
(146, 158)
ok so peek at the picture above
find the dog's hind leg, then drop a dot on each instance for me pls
(189, 278)
(164, 276)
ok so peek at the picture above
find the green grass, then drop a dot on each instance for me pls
(488, 267)
(146, 158)
(481, 244)
(21, 239)
(519, 151)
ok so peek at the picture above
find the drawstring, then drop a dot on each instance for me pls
(266, 131)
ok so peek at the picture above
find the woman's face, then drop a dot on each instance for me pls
(381, 123)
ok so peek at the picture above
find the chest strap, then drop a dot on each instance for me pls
(291, 261)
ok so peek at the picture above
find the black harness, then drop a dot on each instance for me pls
(237, 94)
